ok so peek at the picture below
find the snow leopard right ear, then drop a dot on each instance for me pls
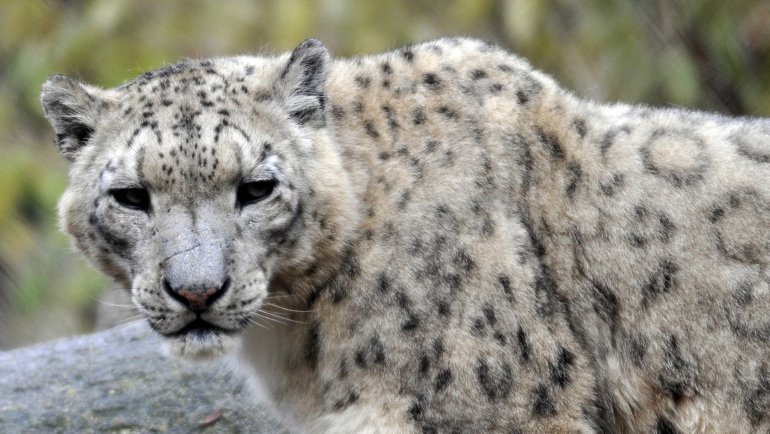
(71, 108)
(304, 82)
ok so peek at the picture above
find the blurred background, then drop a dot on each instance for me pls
(706, 54)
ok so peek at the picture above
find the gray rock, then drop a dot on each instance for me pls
(120, 381)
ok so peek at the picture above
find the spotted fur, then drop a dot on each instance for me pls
(453, 243)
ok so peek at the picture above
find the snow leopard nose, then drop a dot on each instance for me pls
(197, 297)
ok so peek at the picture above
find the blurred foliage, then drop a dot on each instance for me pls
(707, 54)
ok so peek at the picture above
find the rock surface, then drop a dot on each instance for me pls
(120, 381)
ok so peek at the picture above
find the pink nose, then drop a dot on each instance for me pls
(196, 298)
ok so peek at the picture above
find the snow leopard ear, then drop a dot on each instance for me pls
(304, 82)
(71, 108)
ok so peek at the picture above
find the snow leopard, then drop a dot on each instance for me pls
(435, 239)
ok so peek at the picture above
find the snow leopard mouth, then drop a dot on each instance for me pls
(202, 340)
(201, 328)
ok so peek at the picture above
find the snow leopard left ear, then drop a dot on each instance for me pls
(72, 109)
(304, 82)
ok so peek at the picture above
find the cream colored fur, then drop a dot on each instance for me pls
(451, 242)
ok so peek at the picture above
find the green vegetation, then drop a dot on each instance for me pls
(707, 54)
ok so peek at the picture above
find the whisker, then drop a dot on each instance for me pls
(126, 310)
(255, 322)
(271, 319)
(274, 295)
(130, 319)
(252, 321)
(286, 308)
(107, 303)
(130, 323)
(275, 315)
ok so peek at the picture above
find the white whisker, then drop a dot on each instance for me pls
(268, 319)
(257, 323)
(273, 296)
(107, 303)
(287, 309)
(275, 315)
(271, 319)
(131, 318)
(129, 323)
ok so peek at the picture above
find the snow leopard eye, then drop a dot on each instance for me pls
(253, 192)
(134, 198)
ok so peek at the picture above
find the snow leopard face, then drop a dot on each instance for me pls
(190, 184)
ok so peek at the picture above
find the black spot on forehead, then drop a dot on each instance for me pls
(164, 72)
(408, 54)
(431, 80)
(363, 81)
(478, 74)
(186, 122)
